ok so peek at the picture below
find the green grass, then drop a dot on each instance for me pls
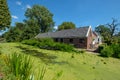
(60, 66)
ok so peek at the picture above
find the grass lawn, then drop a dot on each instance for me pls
(82, 67)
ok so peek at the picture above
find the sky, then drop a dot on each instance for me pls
(80, 12)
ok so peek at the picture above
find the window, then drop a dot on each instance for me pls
(71, 40)
(81, 40)
(61, 40)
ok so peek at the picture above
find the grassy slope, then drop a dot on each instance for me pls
(81, 67)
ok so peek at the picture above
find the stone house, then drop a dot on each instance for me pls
(82, 37)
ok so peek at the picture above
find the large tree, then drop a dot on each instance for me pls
(114, 27)
(42, 16)
(109, 32)
(66, 25)
(5, 17)
(104, 32)
(31, 30)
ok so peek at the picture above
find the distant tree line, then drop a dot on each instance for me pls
(39, 20)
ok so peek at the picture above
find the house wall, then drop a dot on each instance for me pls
(89, 40)
(77, 42)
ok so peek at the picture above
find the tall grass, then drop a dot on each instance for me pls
(41, 74)
(19, 65)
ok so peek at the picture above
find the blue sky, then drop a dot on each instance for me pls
(80, 12)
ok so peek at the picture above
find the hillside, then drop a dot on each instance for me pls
(82, 67)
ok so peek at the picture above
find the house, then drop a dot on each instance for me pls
(82, 37)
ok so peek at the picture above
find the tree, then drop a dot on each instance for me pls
(104, 32)
(31, 30)
(5, 17)
(66, 25)
(109, 32)
(42, 16)
(33, 26)
(21, 31)
(113, 27)
(20, 26)
(12, 35)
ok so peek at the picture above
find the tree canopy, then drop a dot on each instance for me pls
(109, 32)
(42, 16)
(114, 27)
(103, 31)
(5, 17)
(66, 25)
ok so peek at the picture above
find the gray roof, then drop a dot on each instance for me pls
(69, 33)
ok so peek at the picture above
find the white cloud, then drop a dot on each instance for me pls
(28, 6)
(14, 17)
(19, 3)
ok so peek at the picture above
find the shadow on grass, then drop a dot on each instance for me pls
(46, 58)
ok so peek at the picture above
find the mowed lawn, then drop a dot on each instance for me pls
(84, 66)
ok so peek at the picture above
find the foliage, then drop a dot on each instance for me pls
(112, 50)
(42, 16)
(107, 51)
(31, 42)
(39, 19)
(104, 32)
(100, 48)
(22, 31)
(5, 17)
(47, 43)
(66, 25)
(114, 26)
(19, 65)
(109, 32)
(12, 35)
(116, 50)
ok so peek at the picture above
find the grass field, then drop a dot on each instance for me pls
(60, 65)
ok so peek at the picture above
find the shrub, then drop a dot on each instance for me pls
(116, 50)
(100, 48)
(63, 47)
(49, 44)
(107, 51)
(31, 42)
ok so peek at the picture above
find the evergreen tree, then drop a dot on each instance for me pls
(5, 17)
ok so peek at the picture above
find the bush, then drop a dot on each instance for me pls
(107, 51)
(49, 44)
(100, 48)
(63, 47)
(31, 42)
(116, 50)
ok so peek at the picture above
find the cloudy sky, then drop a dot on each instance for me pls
(80, 12)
